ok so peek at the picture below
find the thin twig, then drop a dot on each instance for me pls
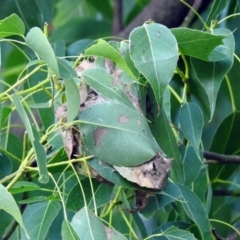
(117, 18)
(220, 158)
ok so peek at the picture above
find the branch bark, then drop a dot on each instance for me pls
(220, 158)
(170, 13)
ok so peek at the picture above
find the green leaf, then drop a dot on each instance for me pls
(169, 194)
(164, 136)
(35, 141)
(191, 124)
(191, 165)
(110, 132)
(65, 69)
(154, 51)
(23, 116)
(38, 218)
(104, 83)
(216, 9)
(8, 204)
(174, 233)
(33, 200)
(41, 157)
(102, 195)
(113, 234)
(199, 44)
(226, 141)
(67, 231)
(36, 40)
(5, 165)
(73, 99)
(104, 49)
(214, 72)
(23, 186)
(87, 226)
(196, 211)
(12, 25)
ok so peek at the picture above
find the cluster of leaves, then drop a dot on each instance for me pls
(131, 100)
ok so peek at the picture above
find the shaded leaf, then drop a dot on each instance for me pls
(67, 231)
(35, 141)
(154, 51)
(169, 194)
(110, 131)
(78, 47)
(73, 99)
(199, 44)
(191, 124)
(5, 165)
(196, 211)
(226, 141)
(191, 165)
(214, 72)
(41, 157)
(87, 226)
(12, 25)
(38, 218)
(104, 49)
(164, 136)
(24, 186)
(216, 9)
(8, 204)
(36, 40)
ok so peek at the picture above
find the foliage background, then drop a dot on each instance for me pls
(73, 26)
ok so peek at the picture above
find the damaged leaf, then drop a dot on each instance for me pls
(151, 174)
(111, 131)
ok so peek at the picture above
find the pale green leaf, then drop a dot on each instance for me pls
(154, 51)
(38, 218)
(73, 99)
(104, 49)
(110, 132)
(38, 42)
(8, 204)
(191, 124)
(87, 226)
(67, 231)
(12, 25)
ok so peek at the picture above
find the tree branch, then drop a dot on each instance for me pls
(220, 158)
(217, 237)
(170, 13)
(117, 17)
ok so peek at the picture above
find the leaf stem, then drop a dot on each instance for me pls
(129, 225)
(229, 16)
(230, 93)
(18, 83)
(113, 203)
(175, 94)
